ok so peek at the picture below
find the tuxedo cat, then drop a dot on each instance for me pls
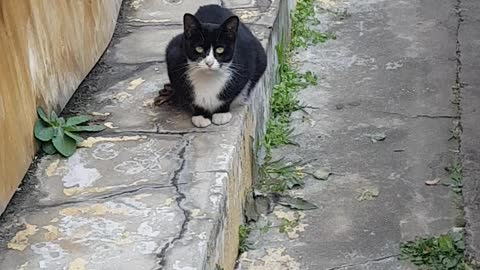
(214, 61)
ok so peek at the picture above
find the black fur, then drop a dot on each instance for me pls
(215, 26)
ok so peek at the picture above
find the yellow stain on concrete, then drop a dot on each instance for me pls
(51, 234)
(148, 102)
(135, 83)
(168, 202)
(78, 191)
(54, 168)
(136, 4)
(289, 215)
(274, 260)
(100, 114)
(142, 196)
(109, 125)
(78, 264)
(248, 14)
(196, 212)
(23, 266)
(90, 141)
(294, 225)
(122, 96)
(20, 240)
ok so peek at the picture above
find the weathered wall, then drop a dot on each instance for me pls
(47, 47)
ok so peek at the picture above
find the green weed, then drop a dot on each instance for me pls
(456, 178)
(243, 243)
(278, 177)
(58, 134)
(284, 97)
(436, 253)
(302, 19)
(287, 225)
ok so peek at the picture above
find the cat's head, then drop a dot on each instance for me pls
(209, 46)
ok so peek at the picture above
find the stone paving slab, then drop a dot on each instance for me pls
(152, 191)
(110, 165)
(113, 233)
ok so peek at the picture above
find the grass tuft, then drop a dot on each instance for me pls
(243, 233)
(278, 177)
(284, 97)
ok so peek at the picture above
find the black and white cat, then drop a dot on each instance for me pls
(214, 61)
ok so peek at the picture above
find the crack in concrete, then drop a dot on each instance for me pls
(158, 132)
(344, 266)
(420, 115)
(458, 84)
(185, 132)
(101, 198)
(179, 199)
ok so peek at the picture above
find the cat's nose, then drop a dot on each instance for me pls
(209, 64)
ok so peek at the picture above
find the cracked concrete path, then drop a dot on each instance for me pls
(151, 192)
(391, 70)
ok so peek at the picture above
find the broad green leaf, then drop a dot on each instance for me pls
(72, 135)
(76, 120)
(64, 144)
(53, 118)
(41, 113)
(61, 121)
(94, 128)
(296, 203)
(48, 148)
(42, 132)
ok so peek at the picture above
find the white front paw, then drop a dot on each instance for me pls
(221, 118)
(200, 121)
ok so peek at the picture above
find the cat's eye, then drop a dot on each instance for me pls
(219, 50)
(199, 49)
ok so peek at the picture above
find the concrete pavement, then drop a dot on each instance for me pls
(390, 71)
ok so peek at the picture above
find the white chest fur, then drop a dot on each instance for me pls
(207, 85)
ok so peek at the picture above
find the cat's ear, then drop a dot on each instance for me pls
(190, 24)
(230, 26)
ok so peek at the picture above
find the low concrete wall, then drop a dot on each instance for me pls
(47, 49)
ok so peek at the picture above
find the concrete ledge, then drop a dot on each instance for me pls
(153, 192)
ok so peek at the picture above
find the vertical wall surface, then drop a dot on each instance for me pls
(46, 49)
